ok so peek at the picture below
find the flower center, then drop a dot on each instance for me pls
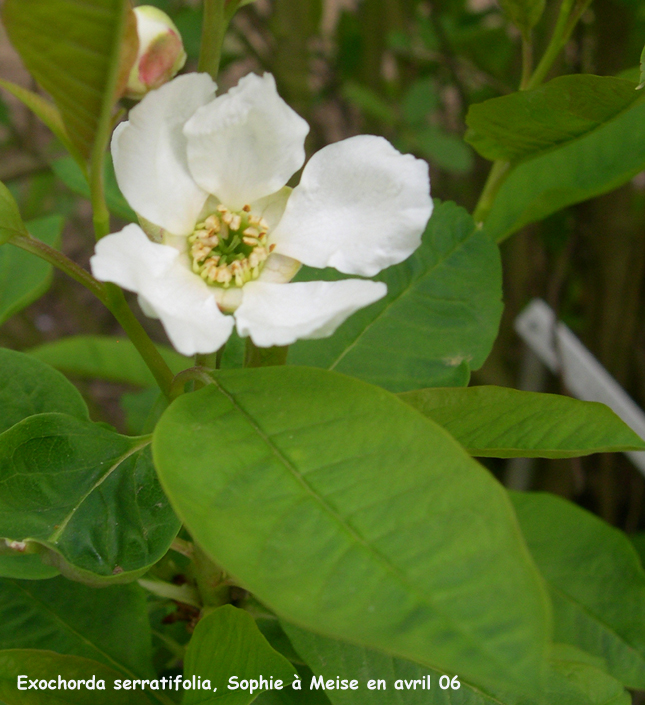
(230, 248)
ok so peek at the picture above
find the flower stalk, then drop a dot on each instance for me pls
(111, 297)
(264, 357)
(213, 30)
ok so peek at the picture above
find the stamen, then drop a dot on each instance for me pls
(229, 248)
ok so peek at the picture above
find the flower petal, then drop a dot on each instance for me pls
(279, 269)
(150, 159)
(272, 207)
(361, 206)
(247, 143)
(185, 304)
(280, 314)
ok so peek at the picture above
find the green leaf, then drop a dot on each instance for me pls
(25, 567)
(524, 14)
(572, 679)
(523, 124)
(72, 176)
(45, 665)
(596, 581)
(47, 113)
(442, 149)
(227, 643)
(437, 322)
(83, 496)
(137, 407)
(496, 422)
(10, 221)
(369, 102)
(29, 387)
(75, 50)
(591, 165)
(420, 100)
(110, 625)
(305, 485)
(105, 357)
(24, 277)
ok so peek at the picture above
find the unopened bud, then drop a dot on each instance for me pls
(161, 52)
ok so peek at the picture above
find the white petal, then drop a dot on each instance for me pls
(150, 158)
(279, 269)
(247, 143)
(280, 314)
(361, 206)
(185, 304)
(272, 207)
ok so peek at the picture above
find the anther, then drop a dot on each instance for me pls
(212, 223)
(247, 209)
(236, 222)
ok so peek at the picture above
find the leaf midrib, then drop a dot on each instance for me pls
(120, 460)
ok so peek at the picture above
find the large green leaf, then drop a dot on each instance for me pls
(23, 276)
(596, 580)
(573, 678)
(75, 50)
(72, 176)
(10, 221)
(525, 123)
(497, 422)
(29, 387)
(45, 665)
(227, 643)
(346, 511)
(110, 625)
(588, 166)
(105, 357)
(437, 322)
(84, 497)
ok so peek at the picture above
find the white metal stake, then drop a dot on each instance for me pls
(561, 351)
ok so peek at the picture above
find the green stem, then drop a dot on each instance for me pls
(559, 38)
(186, 594)
(60, 261)
(141, 340)
(211, 580)
(264, 357)
(100, 212)
(213, 31)
(192, 374)
(496, 178)
(185, 548)
(527, 62)
(570, 13)
(111, 297)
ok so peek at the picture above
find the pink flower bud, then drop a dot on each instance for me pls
(161, 52)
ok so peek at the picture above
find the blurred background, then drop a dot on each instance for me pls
(407, 70)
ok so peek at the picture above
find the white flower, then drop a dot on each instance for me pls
(207, 177)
